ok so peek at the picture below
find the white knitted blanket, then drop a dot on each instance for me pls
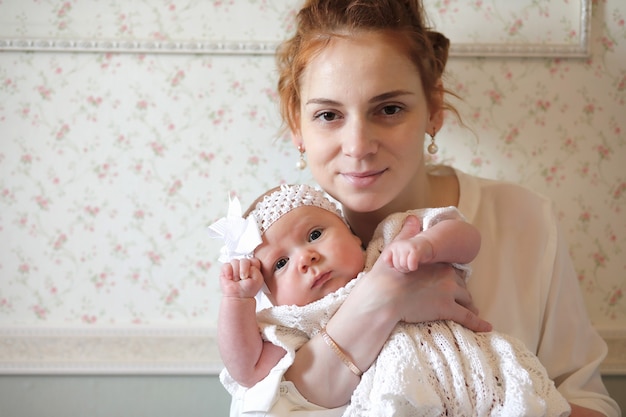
(429, 369)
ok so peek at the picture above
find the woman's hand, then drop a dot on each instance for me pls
(434, 292)
(578, 411)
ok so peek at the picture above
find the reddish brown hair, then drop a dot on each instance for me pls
(319, 21)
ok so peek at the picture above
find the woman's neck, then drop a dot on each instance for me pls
(441, 189)
(444, 186)
(363, 224)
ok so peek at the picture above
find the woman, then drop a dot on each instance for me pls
(360, 88)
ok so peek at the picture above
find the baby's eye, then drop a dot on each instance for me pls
(280, 263)
(315, 234)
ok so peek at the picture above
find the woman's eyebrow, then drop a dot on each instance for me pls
(389, 95)
(381, 97)
(323, 101)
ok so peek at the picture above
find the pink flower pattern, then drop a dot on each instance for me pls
(112, 165)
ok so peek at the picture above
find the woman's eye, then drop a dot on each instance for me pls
(326, 116)
(280, 263)
(391, 110)
(315, 234)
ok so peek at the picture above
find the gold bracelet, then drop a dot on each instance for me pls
(331, 343)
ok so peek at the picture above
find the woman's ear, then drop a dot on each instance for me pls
(436, 121)
(436, 115)
(296, 139)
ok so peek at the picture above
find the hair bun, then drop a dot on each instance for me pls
(441, 46)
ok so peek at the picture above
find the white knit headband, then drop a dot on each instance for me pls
(275, 205)
(242, 236)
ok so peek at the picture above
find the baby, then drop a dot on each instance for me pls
(305, 263)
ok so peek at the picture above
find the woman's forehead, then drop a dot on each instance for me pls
(369, 66)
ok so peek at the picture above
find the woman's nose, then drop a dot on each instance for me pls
(307, 258)
(359, 139)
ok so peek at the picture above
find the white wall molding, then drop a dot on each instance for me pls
(615, 362)
(153, 351)
(267, 48)
(138, 46)
(109, 351)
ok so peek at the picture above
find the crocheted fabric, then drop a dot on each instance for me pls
(288, 197)
(428, 369)
(391, 225)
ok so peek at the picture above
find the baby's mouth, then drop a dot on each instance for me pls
(321, 279)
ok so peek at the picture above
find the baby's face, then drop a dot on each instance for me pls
(307, 254)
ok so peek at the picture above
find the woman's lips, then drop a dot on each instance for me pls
(363, 179)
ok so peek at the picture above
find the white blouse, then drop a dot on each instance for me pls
(524, 283)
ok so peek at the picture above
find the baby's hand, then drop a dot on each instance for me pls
(241, 278)
(408, 249)
(403, 256)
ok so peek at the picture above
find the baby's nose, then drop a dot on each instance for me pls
(307, 257)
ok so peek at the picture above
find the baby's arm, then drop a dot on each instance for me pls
(246, 356)
(450, 241)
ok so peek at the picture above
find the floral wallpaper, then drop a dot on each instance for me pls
(112, 164)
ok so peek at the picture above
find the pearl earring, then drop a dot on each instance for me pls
(301, 164)
(432, 148)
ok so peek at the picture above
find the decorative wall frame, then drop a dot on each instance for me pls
(491, 29)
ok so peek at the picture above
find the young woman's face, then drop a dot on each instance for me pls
(307, 254)
(363, 120)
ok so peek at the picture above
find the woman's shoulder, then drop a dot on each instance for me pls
(507, 189)
(501, 199)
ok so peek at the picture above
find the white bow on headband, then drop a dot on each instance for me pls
(241, 236)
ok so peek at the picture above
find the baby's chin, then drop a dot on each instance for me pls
(328, 287)
(333, 285)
